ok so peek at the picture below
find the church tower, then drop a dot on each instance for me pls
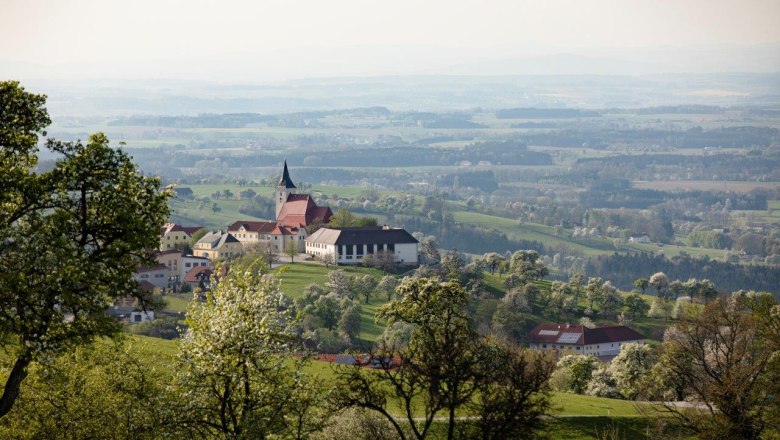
(284, 188)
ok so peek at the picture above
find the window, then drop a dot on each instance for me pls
(187, 264)
(137, 318)
(144, 276)
(349, 249)
(391, 247)
(544, 345)
(578, 348)
(370, 249)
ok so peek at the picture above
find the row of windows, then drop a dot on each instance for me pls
(358, 250)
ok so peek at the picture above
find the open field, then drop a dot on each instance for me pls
(703, 185)
(531, 231)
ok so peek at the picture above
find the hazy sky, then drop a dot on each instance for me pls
(274, 39)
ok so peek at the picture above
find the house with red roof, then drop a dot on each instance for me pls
(602, 342)
(295, 214)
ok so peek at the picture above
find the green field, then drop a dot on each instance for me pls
(296, 277)
(573, 416)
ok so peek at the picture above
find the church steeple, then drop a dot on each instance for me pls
(285, 181)
(284, 188)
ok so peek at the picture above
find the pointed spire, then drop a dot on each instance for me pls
(285, 181)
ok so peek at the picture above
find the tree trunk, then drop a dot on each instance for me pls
(451, 427)
(14, 383)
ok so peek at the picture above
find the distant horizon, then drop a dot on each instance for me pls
(241, 40)
(759, 59)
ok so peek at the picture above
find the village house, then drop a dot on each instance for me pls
(199, 277)
(275, 233)
(602, 342)
(179, 264)
(155, 275)
(218, 244)
(173, 235)
(131, 315)
(294, 214)
(351, 245)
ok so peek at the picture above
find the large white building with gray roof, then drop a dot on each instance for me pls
(351, 245)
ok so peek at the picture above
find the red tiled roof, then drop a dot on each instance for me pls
(548, 333)
(195, 272)
(173, 227)
(252, 226)
(615, 333)
(300, 209)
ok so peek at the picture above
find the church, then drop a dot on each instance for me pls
(294, 214)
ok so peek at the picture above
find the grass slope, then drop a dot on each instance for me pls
(295, 277)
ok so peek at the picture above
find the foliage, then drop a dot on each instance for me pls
(630, 366)
(343, 218)
(234, 364)
(165, 328)
(444, 366)
(73, 236)
(576, 371)
(102, 390)
(603, 383)
(726, 359)
(513, 394)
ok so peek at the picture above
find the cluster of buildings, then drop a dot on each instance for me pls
(300, 223)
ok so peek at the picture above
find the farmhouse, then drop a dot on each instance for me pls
(351, 245)
(601, 342)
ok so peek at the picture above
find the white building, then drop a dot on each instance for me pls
(351, 245)
(179, 264)
(603, 342)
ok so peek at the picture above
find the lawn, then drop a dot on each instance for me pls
(295, 277)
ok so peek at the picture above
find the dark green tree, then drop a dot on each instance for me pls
(72, 237)
(439, 368)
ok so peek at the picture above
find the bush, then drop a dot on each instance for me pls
(165, 328)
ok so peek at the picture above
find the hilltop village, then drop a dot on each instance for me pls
(299, 230)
